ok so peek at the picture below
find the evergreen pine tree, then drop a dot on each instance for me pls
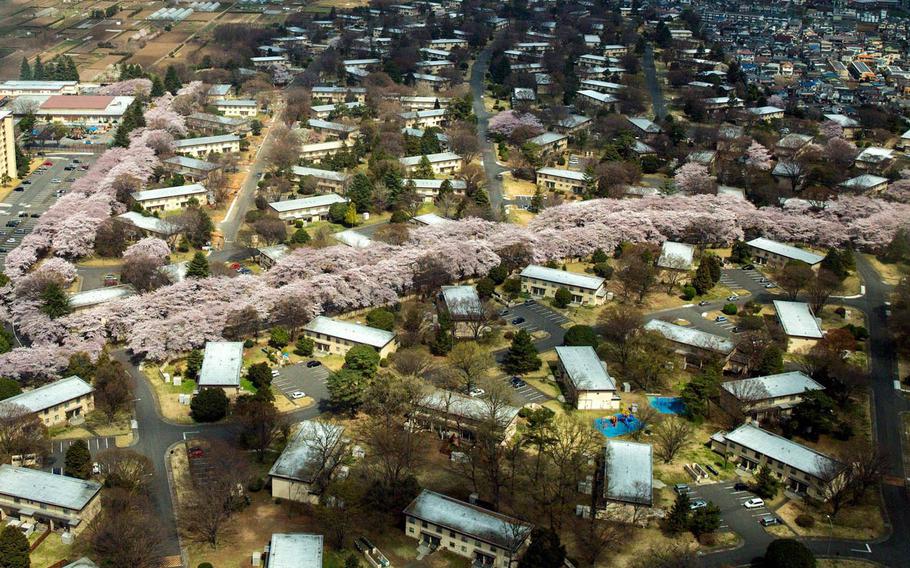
(360, 192)
(72, 73)
(194, 364)
(198, 267)
(78, 460)
(678, 519)
(54, 301)
(14, 548)
(703, 281)
(157, 87)
(766, 485)
(424, 169)
(171, 80)
(38, 70)
(25, 70)
(443, 341)
(536, 202)
(522, 355)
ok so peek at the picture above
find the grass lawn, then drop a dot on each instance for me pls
(50, 551)
(844, 563)
(889, 273)
(167, 393)
(96, 424)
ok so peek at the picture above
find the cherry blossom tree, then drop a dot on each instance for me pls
(149, 247)
(130, 87)
(830, 129)
(758, 157)
(507, 121)
(693, 178)
(841, 152)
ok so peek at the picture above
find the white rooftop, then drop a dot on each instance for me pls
(166, 192)
(690, 336)
(462, 301)
(864, 181)
(51, 394)
(221, 364)
(353, 332)
(558, 172)
(628, 469)
(430, 219)
(433, 158)
(295, 550)
(148, 223)
(100, 296)
(604, 98)
(221, 138)
(645, 124)
(44, 487)
(771, 386)
(781, 449)
(676, 255)
(562, 277)
(797, 319)
(307, 202)
(585, 369)
(352, 238)
(301, 458)
(785, 250)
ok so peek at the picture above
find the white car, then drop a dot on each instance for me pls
(96, 468)
(275, 373)
(754, 503)
(476, 392)
(297, 394)
(732, 298)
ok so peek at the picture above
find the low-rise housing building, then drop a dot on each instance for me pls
(443, 163)
(20, 88)
(308, 209)
(587, 382)
(797, 319)
(455, 414)
(190, 168)
(489, 539)
(59, 402)
(316, 152)
(60, 501)
(294, 550)
(542, 282)
(335, 95)
(766, 397)
(336, 337)
(170, 198)
(332, 130)
(628, 473)
(309, 458)
(695, 346)
(874, 158)
(767, 112)
(208, 123)
(801, 469)
(245, 108)
(90, 298)
(269, 256)
(205, 145)
(676, 256)
(598, 99)
(866, 183)
(326, 180)
(463, 305)
(560, 180)
(775, 254)
(430, 118)
(222, 363)
(429, 189)
(551, 142)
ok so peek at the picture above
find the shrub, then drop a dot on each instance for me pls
(381, 318)
(805, 521)
(689, 292)
(844, 431)
(579, 335)
(248, 344)
(788, 553)
(730, 309)
(304, 347)
(210, 405)
(384, 363)
(841, 311)
(256, 484)
(604, 270)
(205, 565)
(399, 216)
(508, 335)
(562, 298)
(279, 337)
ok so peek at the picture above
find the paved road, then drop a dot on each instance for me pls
(156, 436)
(888, 405)
(652, 83)
(488, 152)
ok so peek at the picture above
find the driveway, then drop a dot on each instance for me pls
(299, 377)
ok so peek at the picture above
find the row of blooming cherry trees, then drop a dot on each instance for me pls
(173, 319)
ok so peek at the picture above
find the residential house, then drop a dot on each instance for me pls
(874, 158)
(464, 307)
(775, 254)
(332, 130)
(336, 337)
(767, 397)
(222, 363)
(244, 108)
(628, 473)
(429, 118)
(866, 183)
(489, 539)
(309, 458)
(798, 320)
(326, 180)
(269, 256)
(551, 142)
(294, 550)
(676, 256)
(572, 124)
(205, 145)
(65, 401)
(849, 125)
(317, 152)
(598, 99)
(443, 163)
(644, 127)
(543, 282)
(335, 95)
(560, 180)
(170, 198)
(428, 189)
(586, 381)
(463, 416)
(308, 209)
(695, 346)
(190, 168)
(59, 501)
(216, 124)
(802, 470)
(767, 113)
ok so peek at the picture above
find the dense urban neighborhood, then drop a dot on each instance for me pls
(454, 283)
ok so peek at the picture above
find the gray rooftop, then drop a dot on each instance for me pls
(100, 296)
(797, 319)
(771, 386)
(598, 96)
(350, 331)
(328, 125)
(457, 184)
(222, 364)
(433, 158)
(864, 181)
(307, 202)
(562, 277)
(275, 252)
(781, 449)
(585, 369)
(645, 124)
(295, 550)
(462, 301)
(690, 336)
(628, 472)
(430, 219)
(353, 238)
(191, 163)
(787, 251)
(299, 459)
(166, 192)
(237, 103)
(670, 252)
(561, 173)
(547, 138)
(51, 395)
(467, 407)
(302, 171)
(471, 520)
(43, 487)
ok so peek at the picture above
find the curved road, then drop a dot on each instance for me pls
(156, 436)
(488, 152)
(887, 406)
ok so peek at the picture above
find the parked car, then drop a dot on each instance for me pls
(312, 364)
(754, 503)
(297, 395)
(19, 231)
(529, 302)
(749, 267)
(35, 215)
(698, 504)
(681, 488)
(56, 180)
(96, 468)
(11, 240)
(720, 319)
(477, 392)
(518, 320)
(275, 373)
(732, 298)
(504, 312)
(769, 520)
(48, 163)
(19, 188)
(704, 303)
(111, 280)
(740, 486)
(770, 285)
(518, 382)
(195, 452)
(3, 249)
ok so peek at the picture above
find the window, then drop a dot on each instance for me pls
(423, 524)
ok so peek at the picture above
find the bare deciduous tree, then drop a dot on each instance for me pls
(672, 434)
(21, 432)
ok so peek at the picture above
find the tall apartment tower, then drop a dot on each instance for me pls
(7, 146)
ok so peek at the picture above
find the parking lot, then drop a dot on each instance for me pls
(58, 449)
(734, 515)
(526, 394)
(299, 377)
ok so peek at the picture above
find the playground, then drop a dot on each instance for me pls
(625, 421)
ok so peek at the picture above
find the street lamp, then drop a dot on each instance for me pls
(831, 535)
